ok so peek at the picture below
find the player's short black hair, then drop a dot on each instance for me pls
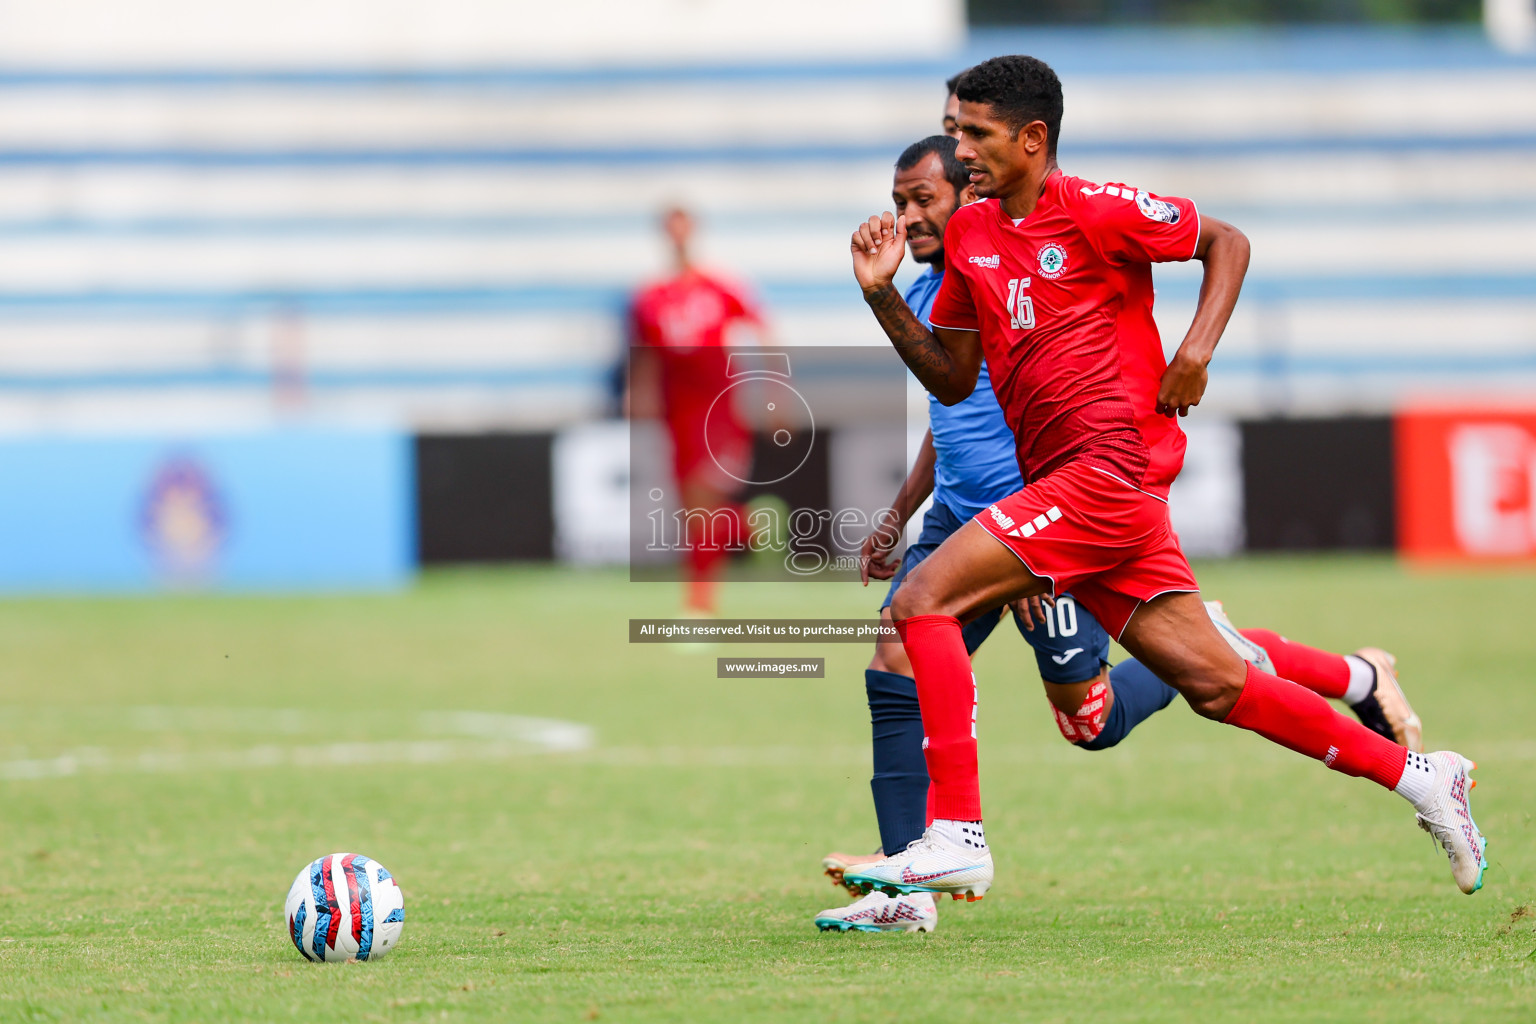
(944, 147)
(1019, 90)
(949, 83)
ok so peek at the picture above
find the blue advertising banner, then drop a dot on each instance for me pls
(275, 510)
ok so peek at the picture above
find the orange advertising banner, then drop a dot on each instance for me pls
(1466, 483)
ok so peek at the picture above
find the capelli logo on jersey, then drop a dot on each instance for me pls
(989, 262)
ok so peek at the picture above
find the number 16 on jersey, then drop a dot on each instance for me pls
(1021, 308)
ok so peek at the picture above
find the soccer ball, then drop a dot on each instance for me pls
(344, 907)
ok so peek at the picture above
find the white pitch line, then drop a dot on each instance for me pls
(487, 736)
(490, 737)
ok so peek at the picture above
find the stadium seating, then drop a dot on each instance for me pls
(452, 248)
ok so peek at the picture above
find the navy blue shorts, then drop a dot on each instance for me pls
(1070, 646)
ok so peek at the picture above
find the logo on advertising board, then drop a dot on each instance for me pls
(183, 520)
(1465, 484)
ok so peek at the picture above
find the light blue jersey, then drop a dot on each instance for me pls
(975, 447)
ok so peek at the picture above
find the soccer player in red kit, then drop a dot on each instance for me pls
(681, 328)
(1366, 680)
(1036, 277)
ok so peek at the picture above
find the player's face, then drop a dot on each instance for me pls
(952, 116)
(679, 227)
(924, 199)
(999, 161)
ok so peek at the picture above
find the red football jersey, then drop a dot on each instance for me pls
(1063, 302)
(686, 318)
(1142, 364)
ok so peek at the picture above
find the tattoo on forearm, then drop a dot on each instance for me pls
(923, 353)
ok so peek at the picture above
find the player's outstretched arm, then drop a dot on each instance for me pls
(946, 362)
(1224, 251)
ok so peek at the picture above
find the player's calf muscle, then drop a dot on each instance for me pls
(890, 656)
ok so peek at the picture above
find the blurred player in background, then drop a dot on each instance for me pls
(952, 109)
(680, 329)
(966, 461)
(1038, 279)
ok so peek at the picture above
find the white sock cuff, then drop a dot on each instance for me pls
(1418, 781)
(1362, 679)
(968, 835)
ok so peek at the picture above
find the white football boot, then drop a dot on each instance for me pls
(929, 864)
(877, 912)
(1448, 817)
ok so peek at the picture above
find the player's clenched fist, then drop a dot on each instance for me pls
(877, 247)
(1182, 387)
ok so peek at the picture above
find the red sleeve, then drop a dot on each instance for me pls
(739, 302)
(953, 307)
(1129, 225)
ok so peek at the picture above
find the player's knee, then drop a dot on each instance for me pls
(1206, 702)
(1076, 741)
(1067, 698)
(1210, 692)
(1065, 702)
(1080, 709)
(912, 599)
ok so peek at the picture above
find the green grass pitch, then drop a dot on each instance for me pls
(670, 872)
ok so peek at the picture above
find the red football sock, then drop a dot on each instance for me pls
(707, 551)
(700, 596)
(1294, 717)
(1319, 671)
(946, 692)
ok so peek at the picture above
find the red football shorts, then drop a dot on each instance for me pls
(1091, 533)
(713, 450)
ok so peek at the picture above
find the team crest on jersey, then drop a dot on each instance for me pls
(1157, 209)
(1053, 260)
